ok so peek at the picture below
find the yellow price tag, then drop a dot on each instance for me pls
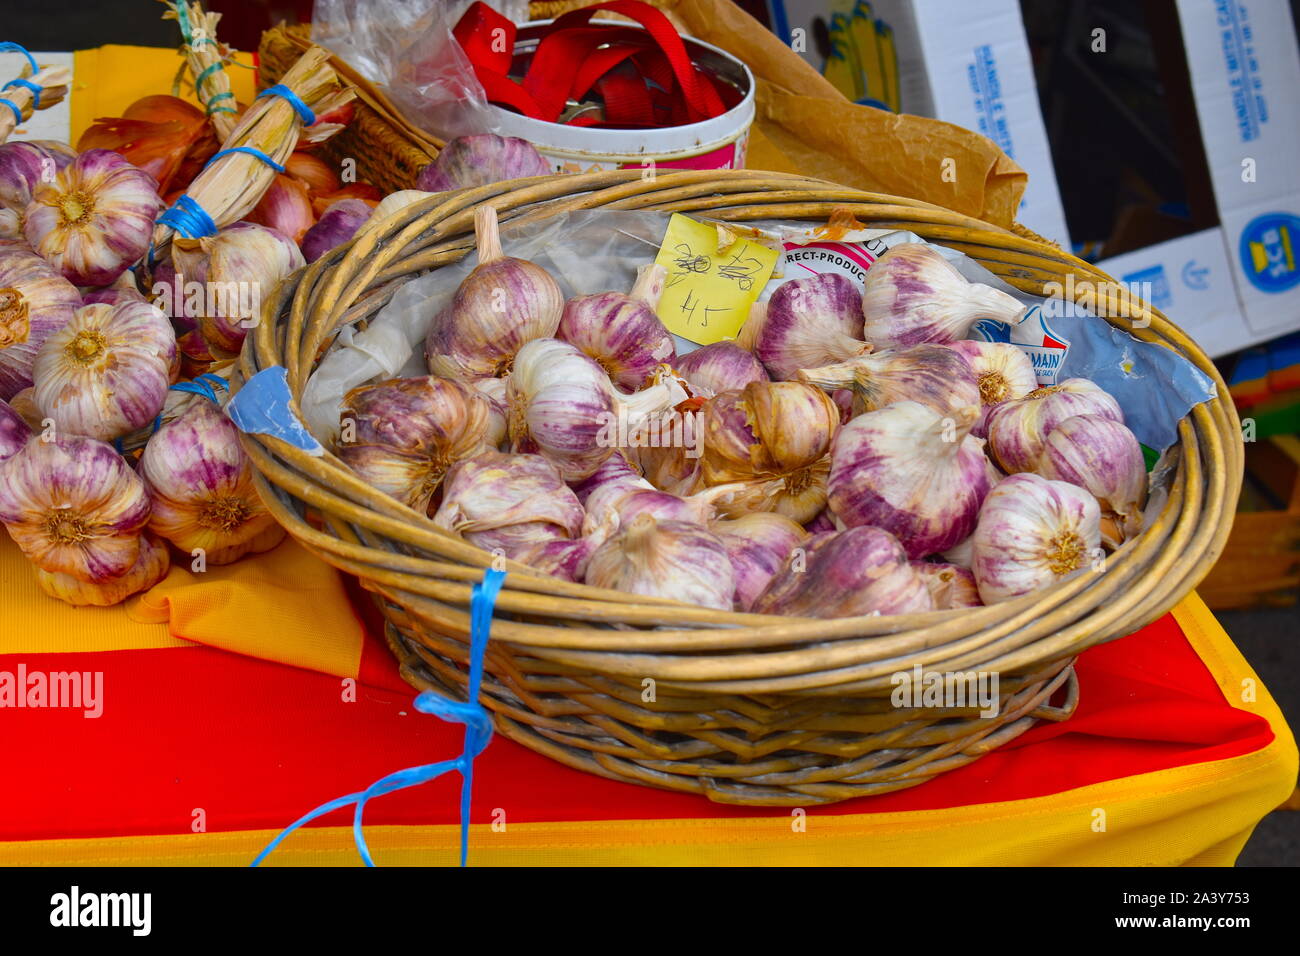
(709, 290)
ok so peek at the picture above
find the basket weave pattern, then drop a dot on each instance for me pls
(742, 708)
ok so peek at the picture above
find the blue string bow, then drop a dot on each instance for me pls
(478, 732)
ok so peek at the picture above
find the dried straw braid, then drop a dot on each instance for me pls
(51, 81)
(231, 185)
(206, 58)
(747, 708)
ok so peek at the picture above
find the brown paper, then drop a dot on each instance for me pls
(803, 124)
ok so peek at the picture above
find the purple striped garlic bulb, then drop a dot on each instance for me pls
(498, 308)
(74, 506)
(106, 372)
(912, 294)
(720, 367)
(934, 375)
(95, 219)
(200, 483)
(150, 567)
(808, 323)
(1104, 457)
(1002, 372)
(23, 166)
(759, 545)
(14, 431)
(667, 559)
(845, 574)
(1017, 429)
(614, 470)
(336, 225)
(402, 435)
(917, 475)
(621, 332)
(508, 503)
(951, 586)
(480, 160)
(561, 557)
(35, 302)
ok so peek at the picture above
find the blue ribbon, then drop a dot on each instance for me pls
(289, 96)
(251, 151)
(205, 385)
(7, 47)
(188, 218)
(478, 732)
(18, 114)
(28, 84)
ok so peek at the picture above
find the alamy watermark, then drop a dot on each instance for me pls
(195, 300)
(668, 429)
(921, 688)
(1084, 297)
(72, 690)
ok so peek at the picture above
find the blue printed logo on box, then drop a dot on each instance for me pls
(1155, 276)
(1268, 251)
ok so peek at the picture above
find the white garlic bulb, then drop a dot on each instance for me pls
(669, 559)
(934, 375)
(1002, 372)
(1018, 428)
(1105, 458)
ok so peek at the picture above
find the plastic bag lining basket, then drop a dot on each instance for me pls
(743, 708)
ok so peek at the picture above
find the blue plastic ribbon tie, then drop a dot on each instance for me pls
(196, 388)
(478, 732)
(188, 218)
(264, 407)
(18, 113)
(29, 85)
(8, 47)
(289, 96)
(251, 151)
(214, 381)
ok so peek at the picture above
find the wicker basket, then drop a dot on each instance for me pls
(388, 150)
(746, 709)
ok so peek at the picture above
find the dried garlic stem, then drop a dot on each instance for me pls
(53, 81)
(206, 58)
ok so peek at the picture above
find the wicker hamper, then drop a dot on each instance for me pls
(745, 708)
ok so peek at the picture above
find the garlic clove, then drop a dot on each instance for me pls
(150, 567)
(720, 367)
(94, 219)
(669, 559)
(759, 545)
(402, 435)
(74, 506)
(200, 484)
(620, 332)
(844, 574)
(912, 294)
(951, 586)
(1018, 428)
(799, 495)
(1104, 457)
(906, 469)
(35, 302)
(1002, 372)
(503, 502)
(499, 307)
(934, 375)
(808, 323)
(1033, 532)
(107, 371)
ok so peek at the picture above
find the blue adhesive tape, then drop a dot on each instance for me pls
(264, 407)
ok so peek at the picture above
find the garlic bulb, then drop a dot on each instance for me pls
(615, 469)
(1033, 532)
(107, 371)
(337, 225)
(844, 574)
(200, 483)
(562, 406)
(480, 160)
(74, 506)
(669, 559)
(962, 553)
(24, 403)
(909, 471)
(912, 294)
(615, 503)
(501, 305)
(1002, 372)
(933, 375)
(391, 204)
(808, 323)
(151, 566)
(14, 431)
(508, 502)
(402, 435)
(245, 261)
(759, 545)
(95, 219)
(1018, 428)
(1105, 458)
(23, 165)
(561, 558)
(494, 391)
(950, 585)
(621, 332)
(767, 429)
(720, 367)
(35, 302)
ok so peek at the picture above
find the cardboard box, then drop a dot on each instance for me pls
(966, 63)
(1245, 73)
